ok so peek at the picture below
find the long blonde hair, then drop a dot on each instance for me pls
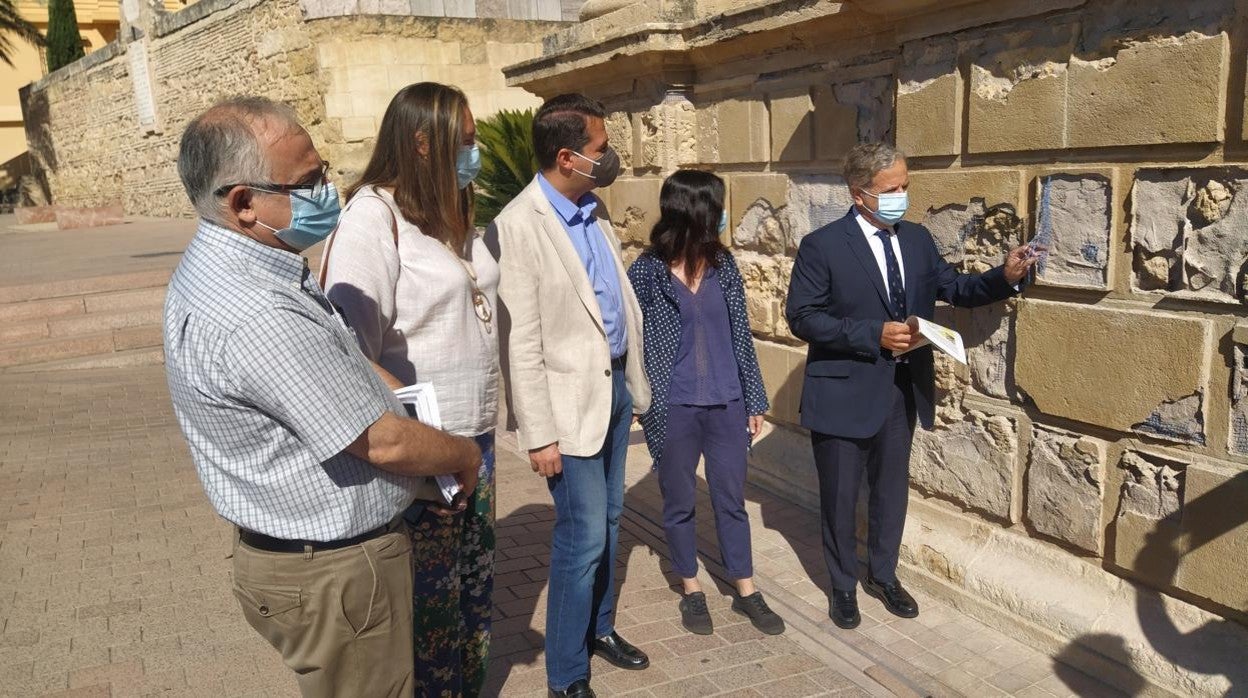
(426, 188)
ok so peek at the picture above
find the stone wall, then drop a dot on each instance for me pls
(338, 70)
(1104, 413)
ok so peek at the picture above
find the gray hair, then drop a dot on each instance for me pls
(220, 148)
(865, 160)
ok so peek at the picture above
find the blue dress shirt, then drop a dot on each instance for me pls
(595, 253)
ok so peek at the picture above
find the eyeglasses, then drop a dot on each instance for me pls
(310, 191)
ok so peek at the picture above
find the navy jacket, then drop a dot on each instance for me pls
(838, 304)
(660, 309)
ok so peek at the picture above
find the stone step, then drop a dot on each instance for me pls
(77, 305)
(82, 287)
(129, 358)
(97, 343)
(74, 325)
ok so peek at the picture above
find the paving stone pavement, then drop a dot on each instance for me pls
(114, 579)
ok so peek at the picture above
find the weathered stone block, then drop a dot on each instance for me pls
(1237, 432)
(988, 333)
(972, 215)
(1150, 503)
(1074, 360)
(792, 135)
(755, 212)
(972, 462)
(836, 125)
(1182, 80)
(27, 215)
(931, 191)
(619, 127)
(814, 201)
(761, 277)
(634, 208)
(1077, 210)
(71, 217)
(783, 369)
(734, 130)
(666, 134)
(1066, 487)
(929, 99)
(1018, 91)
(1216, 534)
(1187, 233)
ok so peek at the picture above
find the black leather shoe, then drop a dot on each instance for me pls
(616, 650)
(898, 601)
(844, 610)
(579, 689)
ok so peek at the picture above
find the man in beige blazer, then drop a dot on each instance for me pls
(571, 359)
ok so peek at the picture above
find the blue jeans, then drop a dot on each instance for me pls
(589, 497)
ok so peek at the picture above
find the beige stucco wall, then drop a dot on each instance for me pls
(338, 71)
(1089, 452)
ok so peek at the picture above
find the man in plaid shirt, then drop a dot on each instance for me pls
(296, 438)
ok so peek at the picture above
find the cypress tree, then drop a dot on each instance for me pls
(64, 41)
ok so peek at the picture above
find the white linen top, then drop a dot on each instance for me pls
(411, 308)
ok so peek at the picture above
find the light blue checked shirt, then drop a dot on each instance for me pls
(269, 388)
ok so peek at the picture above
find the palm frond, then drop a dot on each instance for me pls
(508, 162)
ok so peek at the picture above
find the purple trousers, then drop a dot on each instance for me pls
(720, 434)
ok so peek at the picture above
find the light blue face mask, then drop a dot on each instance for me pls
(467, 164)
(311, 219)
(723, 222)
(890, 208)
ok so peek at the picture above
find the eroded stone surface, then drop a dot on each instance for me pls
(1077, 362)
(1187, 233)
(1177, 420)
(1152, 486)
(815, 201)
(971, 461)
(1238, 432)
(1079, 213)
(776, 212)
(975, 237)
(988, 333)
(1065, 486)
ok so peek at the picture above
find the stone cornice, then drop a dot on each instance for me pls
(634, 39)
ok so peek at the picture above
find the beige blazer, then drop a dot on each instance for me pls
(553, 349)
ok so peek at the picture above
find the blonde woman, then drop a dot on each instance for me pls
(418, 286)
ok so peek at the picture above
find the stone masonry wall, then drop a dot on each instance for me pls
(338, 72)
(1112, 130)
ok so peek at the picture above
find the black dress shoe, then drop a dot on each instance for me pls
(616, 650)
(898, 601)
(579, 689)
(844, 610)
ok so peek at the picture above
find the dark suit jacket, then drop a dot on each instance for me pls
(838, 304)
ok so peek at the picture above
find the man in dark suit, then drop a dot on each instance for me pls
(855, 281)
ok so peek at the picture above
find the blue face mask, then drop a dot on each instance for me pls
(891, 208)
(723, 222)
(311, 220)
(467, 164)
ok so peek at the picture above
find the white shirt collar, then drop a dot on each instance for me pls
(868, 228)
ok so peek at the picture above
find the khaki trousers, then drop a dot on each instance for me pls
(341, 619)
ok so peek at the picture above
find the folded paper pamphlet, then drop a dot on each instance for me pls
(421, 402)
(943, 338)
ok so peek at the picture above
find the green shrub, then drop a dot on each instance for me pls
(507, 161)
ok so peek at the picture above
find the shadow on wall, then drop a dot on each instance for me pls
(36, 119)
(1211, 649)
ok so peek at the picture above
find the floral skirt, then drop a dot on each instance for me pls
(452, 581)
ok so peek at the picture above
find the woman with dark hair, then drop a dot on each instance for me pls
(708, 395)
(418, 286)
